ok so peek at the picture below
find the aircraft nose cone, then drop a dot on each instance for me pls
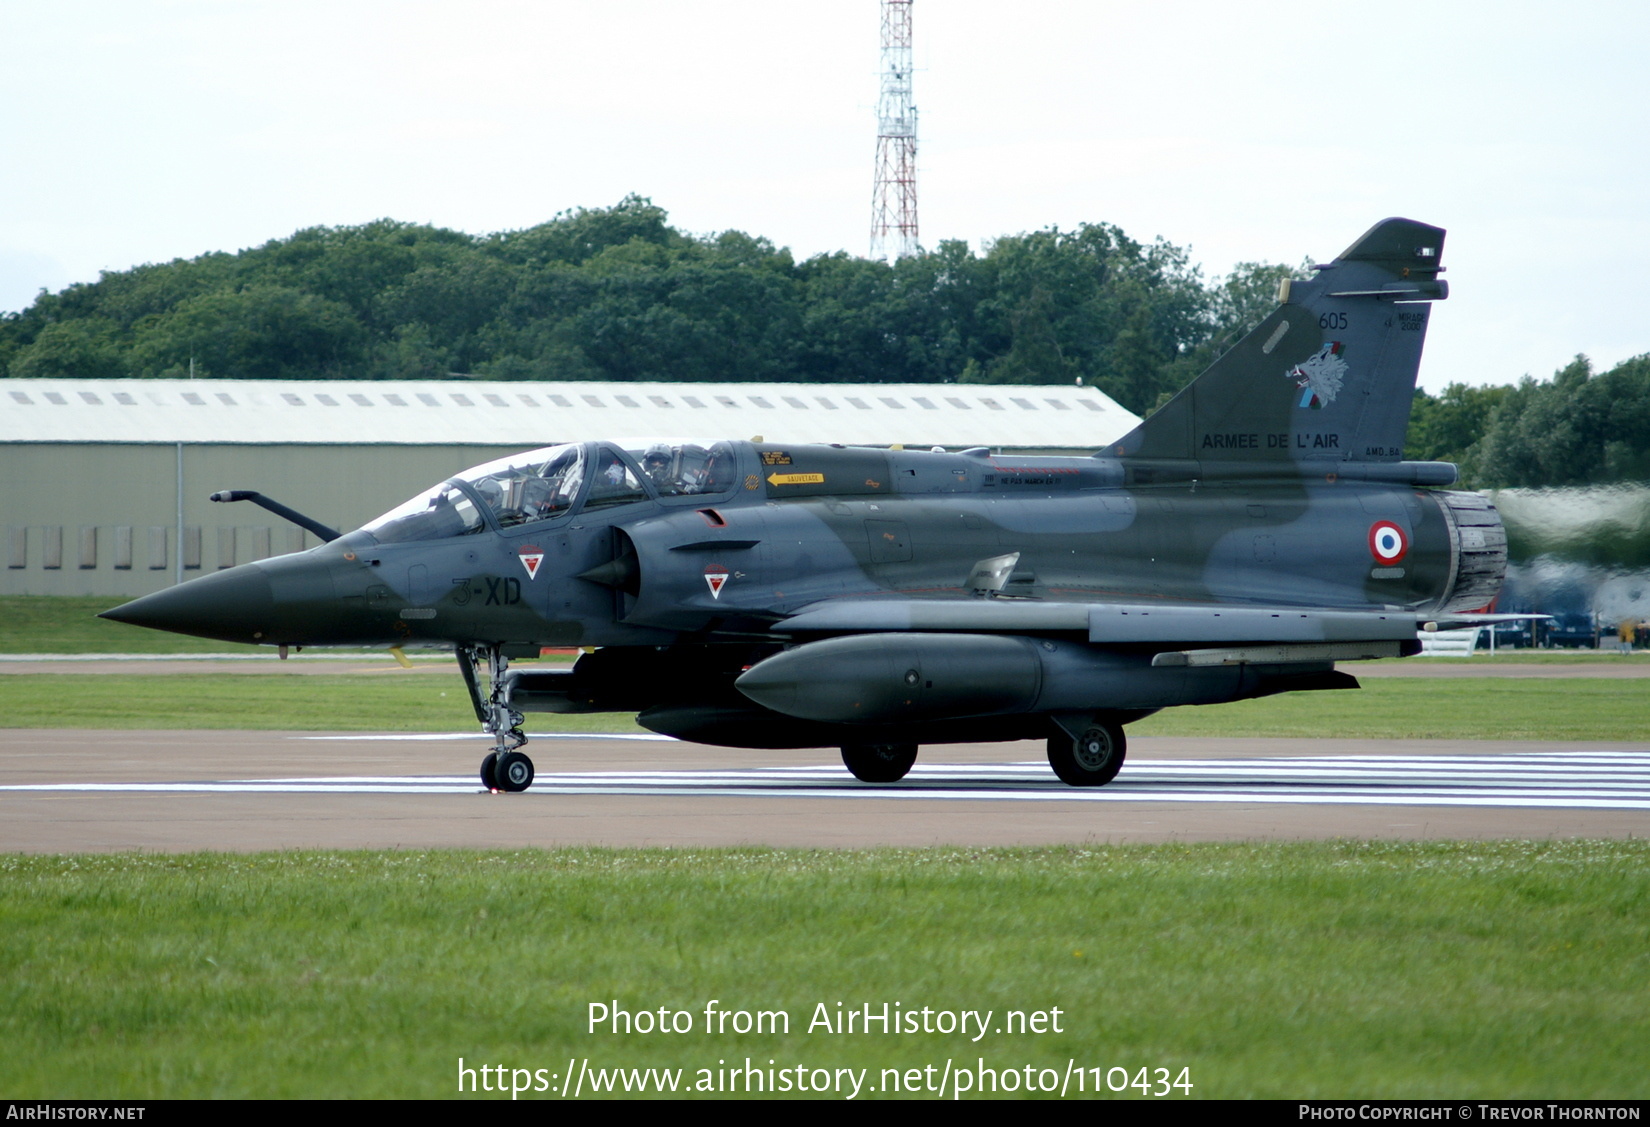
(236, 605)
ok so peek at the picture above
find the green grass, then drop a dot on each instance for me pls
(397, 701)
(1463, 708)
(389, 701)
(1278, 970)
(1506, 656)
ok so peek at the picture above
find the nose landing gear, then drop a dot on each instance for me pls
(504, 768)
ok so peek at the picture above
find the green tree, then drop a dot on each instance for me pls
(574, 237)
(1092, 303)
(1576, 429)
(1450, 427)
(262, 332)
(617, 293)
(81, 349)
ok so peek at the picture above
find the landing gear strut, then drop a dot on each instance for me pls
(504, 768)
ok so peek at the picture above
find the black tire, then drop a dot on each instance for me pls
(487, 765)
(879, 763)
(1091, 760)
(514, 771)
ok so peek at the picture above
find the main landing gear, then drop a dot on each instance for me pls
(1087, 754)
(505, 768)
(879, 763)
(1085, 751)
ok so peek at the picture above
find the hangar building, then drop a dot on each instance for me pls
(107, 481)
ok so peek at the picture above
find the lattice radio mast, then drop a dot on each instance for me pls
(894, 199)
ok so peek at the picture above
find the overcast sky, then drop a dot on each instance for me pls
(1262, 130)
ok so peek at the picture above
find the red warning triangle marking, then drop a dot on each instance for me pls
(716, 580)
(531, 561)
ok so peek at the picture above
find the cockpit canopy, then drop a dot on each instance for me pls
(556, 480)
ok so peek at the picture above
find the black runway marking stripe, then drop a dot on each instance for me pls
(1601, 780)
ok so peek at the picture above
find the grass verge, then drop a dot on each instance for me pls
(1462, 708)
(387, 701)
(394, 701)
(1274, 970)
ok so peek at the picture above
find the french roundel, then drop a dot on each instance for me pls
(1387, 542)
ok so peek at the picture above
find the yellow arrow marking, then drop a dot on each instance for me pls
(795, 478)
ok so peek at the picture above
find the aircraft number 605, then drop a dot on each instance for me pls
(1332, 321)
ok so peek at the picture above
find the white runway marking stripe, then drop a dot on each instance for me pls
(1604, 780)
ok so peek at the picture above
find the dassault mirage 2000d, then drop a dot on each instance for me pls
(1257, 529)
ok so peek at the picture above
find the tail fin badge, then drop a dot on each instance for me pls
(1319, 376)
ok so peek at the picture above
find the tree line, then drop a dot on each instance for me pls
(619, 294)
(1578, 428)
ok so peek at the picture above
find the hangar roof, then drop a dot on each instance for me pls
(475, 412)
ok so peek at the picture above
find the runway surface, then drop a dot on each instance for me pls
(66, 791)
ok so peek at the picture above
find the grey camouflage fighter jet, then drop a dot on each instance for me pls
(1257, 529)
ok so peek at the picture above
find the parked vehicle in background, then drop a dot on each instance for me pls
(1569, 631)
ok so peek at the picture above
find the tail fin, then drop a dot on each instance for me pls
(1327, 377)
